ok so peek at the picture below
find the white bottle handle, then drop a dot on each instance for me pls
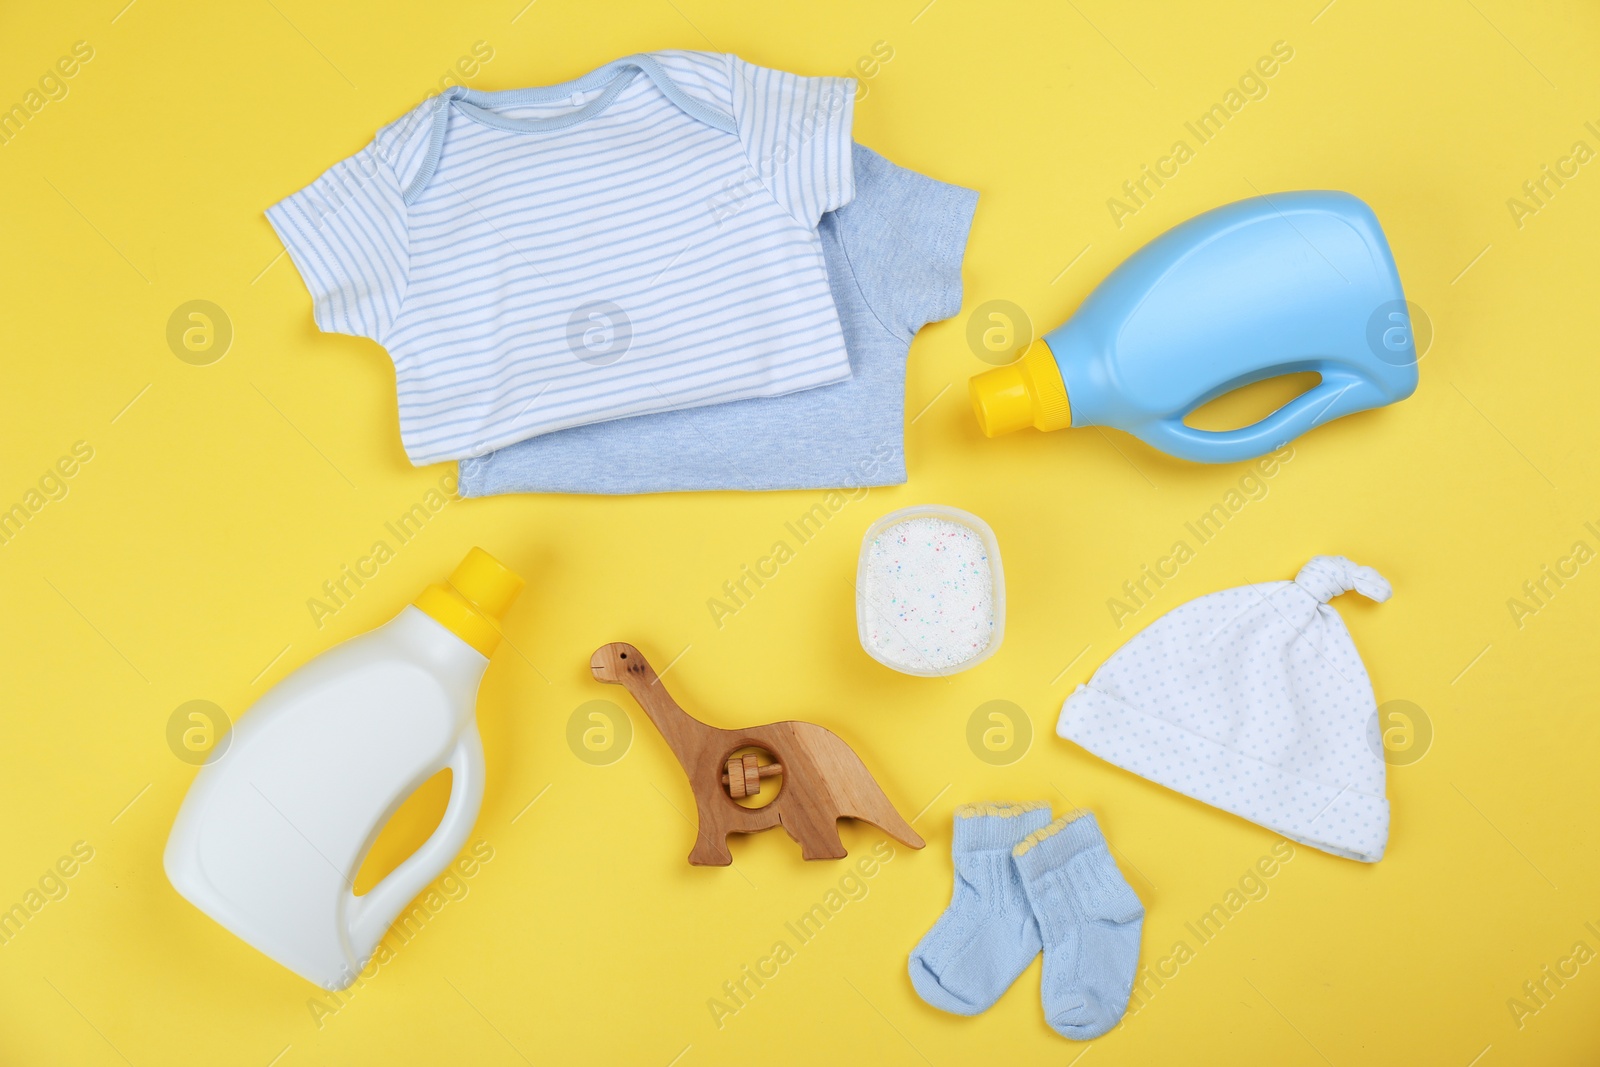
(371, 914)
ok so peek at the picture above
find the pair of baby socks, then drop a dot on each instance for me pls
(1025, 883)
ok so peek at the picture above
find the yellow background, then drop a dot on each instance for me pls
(178, 565)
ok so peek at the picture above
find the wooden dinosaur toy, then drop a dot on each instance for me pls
(823, 781)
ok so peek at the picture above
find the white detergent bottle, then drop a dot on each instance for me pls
(277, 823)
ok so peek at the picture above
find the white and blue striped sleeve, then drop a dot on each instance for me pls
(346, 233)
(796, 133)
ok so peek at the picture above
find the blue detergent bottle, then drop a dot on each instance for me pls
(1272, 285)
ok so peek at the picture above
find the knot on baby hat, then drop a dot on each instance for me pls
(1253, 700)
(1325, 577)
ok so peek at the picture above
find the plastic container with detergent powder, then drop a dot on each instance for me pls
(277, 823)
(1268, 286)
(930, 591)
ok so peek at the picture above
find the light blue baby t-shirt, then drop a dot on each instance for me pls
(893, 256)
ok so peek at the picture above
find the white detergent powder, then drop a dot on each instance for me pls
(929, 593)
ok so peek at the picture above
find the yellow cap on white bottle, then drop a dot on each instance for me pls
(474, 600)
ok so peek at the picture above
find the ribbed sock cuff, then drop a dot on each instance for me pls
(1051, 846)
(997, 825)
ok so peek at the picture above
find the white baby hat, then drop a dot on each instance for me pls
(1252, 700)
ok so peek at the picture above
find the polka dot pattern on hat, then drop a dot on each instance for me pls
(1253, 700)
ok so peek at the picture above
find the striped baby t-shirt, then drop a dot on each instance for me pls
(641, 239)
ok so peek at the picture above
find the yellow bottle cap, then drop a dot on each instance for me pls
(1028, 392)
(475, 599)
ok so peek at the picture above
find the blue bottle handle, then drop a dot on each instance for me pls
(1331, 398)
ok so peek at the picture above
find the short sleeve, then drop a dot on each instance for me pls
(346, 234)
(796, 133)
(905, 235)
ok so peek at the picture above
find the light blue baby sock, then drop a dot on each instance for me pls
(1089, 920)
(987, 936)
